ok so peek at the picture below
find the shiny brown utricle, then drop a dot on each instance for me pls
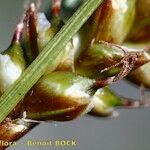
(39, 101)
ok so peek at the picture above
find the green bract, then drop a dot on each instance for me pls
(12, 62)
(104, 101)
(93, 61)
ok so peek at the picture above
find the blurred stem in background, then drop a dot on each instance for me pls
(70, 6)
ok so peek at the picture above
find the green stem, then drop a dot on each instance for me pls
(32, 74)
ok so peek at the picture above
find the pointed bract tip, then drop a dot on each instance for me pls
(20, 27)
(18, 33)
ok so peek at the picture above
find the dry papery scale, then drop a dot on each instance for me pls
(97, 56)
